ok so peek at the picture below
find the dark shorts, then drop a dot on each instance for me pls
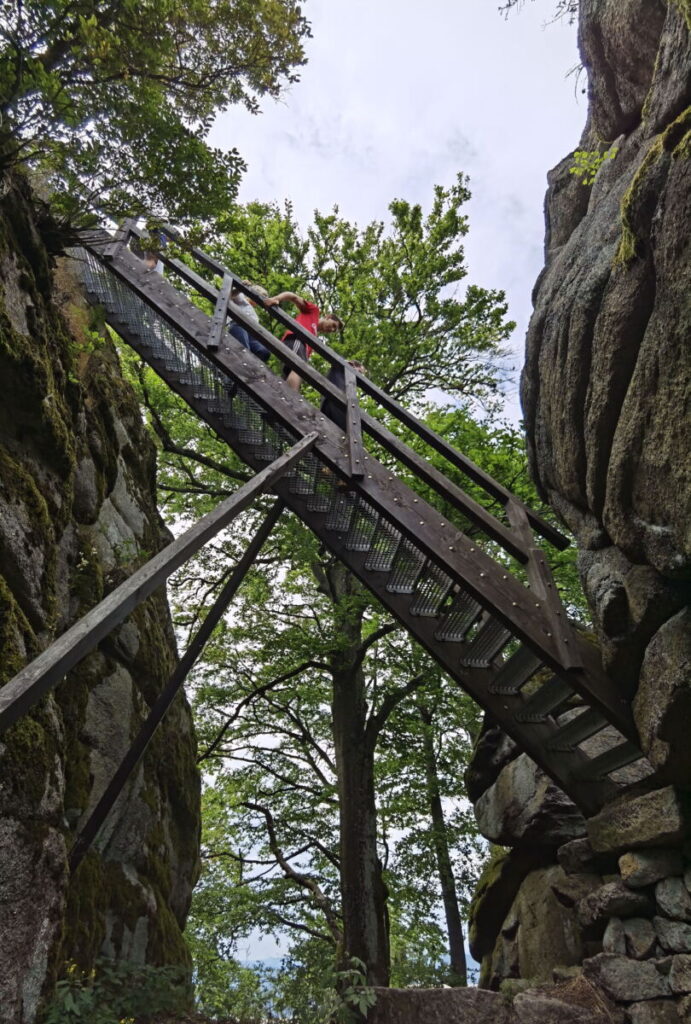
(298, 347)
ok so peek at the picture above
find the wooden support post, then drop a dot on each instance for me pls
(545, 589)
(174, 684)
(46, 671)
(218, 320)
(122, 237)
(356, 452)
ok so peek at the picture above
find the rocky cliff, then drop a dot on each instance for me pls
(607, 380)
(606, 392)
(77, 514)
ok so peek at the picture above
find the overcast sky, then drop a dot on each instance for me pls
(398, 96)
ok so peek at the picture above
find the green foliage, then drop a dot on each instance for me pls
(395, 286)
(117, 994)
(347, 998)
(115, 99)
(587, 162)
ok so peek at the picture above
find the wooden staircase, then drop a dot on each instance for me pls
(473, 588)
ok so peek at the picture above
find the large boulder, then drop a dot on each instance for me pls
(524, 806)
(662, 708)
(662, 817)
(495, 891)
(541, 930)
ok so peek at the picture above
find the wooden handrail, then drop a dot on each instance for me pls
(469, 468)
(489, 524)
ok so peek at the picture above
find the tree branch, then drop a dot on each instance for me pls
(304, 881)
(260, 690)
(376, 722)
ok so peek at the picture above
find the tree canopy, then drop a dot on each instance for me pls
(115, 98)
(396, 285)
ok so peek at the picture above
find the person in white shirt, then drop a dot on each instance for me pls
(244, 304)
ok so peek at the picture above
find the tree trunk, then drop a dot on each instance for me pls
(362, 887)
(458, 969)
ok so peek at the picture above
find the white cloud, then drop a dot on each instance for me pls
(399, 95)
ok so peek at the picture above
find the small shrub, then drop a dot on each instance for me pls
(117, 994)
(587, 162)
(347, 997)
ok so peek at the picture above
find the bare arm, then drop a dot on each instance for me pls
(297, 300)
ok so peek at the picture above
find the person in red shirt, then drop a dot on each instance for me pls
(311, 319)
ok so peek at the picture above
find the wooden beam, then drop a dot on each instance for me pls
(545, 589)
(170, 691)
(46, 671)
(356, 453)
(218, 320)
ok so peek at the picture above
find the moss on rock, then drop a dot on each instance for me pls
(674, 141)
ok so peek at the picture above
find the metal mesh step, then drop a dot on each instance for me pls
(490, 640)
(552, 695)
(252, 430)
(406, 567)
(577, 730)
(432, 589)
(324, 493)
(515, 673)
(363, 525)
(303, 482)
(459, 619)
(385, 544)
(341, 513)
(624, 754)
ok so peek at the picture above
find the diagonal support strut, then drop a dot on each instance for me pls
(170, 691)
(45, 672)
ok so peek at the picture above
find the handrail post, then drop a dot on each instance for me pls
(544, 588)
(356, 452)
(122, 237)
(218, 320)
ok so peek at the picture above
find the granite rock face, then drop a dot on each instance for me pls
(607, 377)
(606, 391)
(572, 1002)
(77, 515)
(523, 806)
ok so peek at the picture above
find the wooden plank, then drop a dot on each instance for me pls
(46, 671)
(218, 320)
(170, 691)
(543, 586)
(356, 453)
